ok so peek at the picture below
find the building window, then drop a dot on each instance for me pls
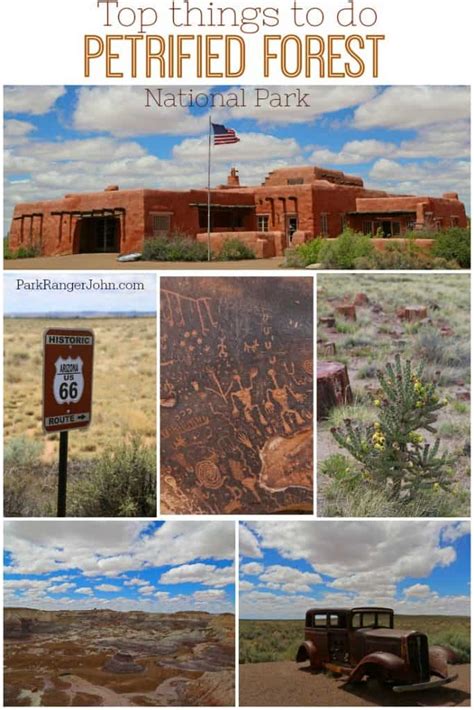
(454, 221)
(367, 227)
(396, 229)
(295, 181)
(262, 223)
(323, 221)
(161, 224)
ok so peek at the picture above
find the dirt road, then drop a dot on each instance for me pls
(109, 261)
(283, 683)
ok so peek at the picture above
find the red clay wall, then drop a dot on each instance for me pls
(55, 234)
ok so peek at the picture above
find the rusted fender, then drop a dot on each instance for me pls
(308, 652)
(383, 660)
(440, 656)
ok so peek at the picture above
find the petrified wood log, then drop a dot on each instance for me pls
(347, 310)
(328, 321)
(412, 313)
(334, 388)
(361, 299)
(236, 393)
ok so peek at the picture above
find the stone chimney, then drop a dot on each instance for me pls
(451, 196)
(233, 179)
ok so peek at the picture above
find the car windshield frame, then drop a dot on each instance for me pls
(376, 617)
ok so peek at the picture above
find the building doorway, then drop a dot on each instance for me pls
(291, 227)
(387, 228)
(99, 234)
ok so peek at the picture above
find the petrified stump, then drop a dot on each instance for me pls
(334, 388)
(236, 394)
(347, 310)
(328, 321)
(412, 313)
(361, 299)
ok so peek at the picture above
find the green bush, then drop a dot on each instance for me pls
(303, 255)
(459, 643)
(175, 248)
(22, 452)
(454, 245)
(343, 252)
(122, 483)
(235, 250)
(23, 252)
(403, 255)
(394, 457)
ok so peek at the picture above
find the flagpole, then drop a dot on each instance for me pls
(209, 193)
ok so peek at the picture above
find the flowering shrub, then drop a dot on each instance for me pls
(392, 451)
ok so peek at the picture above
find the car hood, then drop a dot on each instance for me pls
(384, 633)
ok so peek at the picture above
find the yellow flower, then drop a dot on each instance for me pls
(377, 402)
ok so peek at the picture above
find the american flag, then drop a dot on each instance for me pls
(223, 135)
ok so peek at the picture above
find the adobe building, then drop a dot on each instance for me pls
(291, 206)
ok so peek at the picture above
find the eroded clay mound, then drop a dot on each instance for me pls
(211, 689)
(122, 663)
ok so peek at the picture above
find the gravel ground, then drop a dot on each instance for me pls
(284, 683)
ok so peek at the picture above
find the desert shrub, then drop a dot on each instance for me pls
(431, 347)
(394, 456)
(21, 452)
(303, 255)
(454, 245)
(235, 250)
(122, 483)
(175, 248)
(404, 255)
(343, 252)
(23, 252)
(458, 642)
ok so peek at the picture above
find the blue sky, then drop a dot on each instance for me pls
(158, 567)
(77, 293)
(415, 567)
(406, 139)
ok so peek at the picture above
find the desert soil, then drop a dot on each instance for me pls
(284, 683)
(109, 261)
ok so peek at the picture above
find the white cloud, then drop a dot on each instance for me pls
(135, 582)
(248, 543)
(244, 585)
(121, 110)
(60, 588)
(34, 100)
(199, 572)
(252, 568)
(84, 590)
(209, 595)
(146, 590)
(347, 549)
(417, 590)
(109, 548)
(289, 579)
(321, 100)
(252, 147)
(107, 588)
(400, 107)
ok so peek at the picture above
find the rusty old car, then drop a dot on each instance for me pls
(362, 643)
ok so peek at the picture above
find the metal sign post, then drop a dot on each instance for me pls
(67, 391)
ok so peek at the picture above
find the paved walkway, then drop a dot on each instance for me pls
(90, 262)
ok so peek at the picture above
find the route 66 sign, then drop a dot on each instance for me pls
(67, 378)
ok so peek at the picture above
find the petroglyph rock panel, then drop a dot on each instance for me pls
(236, 395)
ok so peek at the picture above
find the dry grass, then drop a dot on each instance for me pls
(124, 393)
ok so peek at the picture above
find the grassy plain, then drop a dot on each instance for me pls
(278, 640)
(123, 410)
